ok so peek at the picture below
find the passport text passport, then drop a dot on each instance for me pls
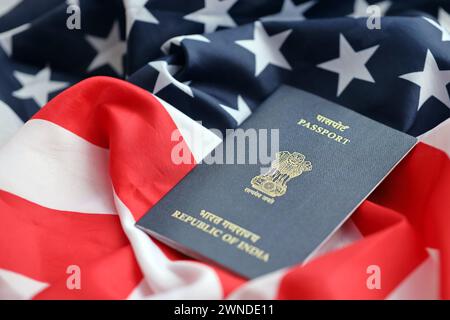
(253, 217)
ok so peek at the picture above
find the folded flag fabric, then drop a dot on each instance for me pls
(74, 178)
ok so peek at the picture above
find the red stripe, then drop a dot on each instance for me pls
(410, 207)
(41, 243)
(114, 276)
(137, 129)
(419, 189)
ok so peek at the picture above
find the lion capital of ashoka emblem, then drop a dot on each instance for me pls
(284, 168)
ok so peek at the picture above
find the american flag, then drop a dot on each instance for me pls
(86, 116)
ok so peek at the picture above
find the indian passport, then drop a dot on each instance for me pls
(273, 206)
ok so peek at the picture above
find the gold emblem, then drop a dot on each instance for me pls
(284, 168)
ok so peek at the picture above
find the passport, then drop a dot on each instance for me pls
(276, 208)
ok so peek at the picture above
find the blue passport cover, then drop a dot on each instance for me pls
(254, 221)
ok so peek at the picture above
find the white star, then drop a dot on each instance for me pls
(136, 11)
(290, 11)
(443, 25)
(37, 87)
(213, 15)
(7, 37)
(360, 8)
(242, 113)
(266, 48)
(165, 77)
(350, 64)
(7, 6)
(177, 41)
(432, 81)
(109, 50)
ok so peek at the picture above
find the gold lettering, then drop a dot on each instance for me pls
(232, 238)
(329, 122)
(338, 125)
(253, 251)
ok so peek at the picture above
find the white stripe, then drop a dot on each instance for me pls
(422, 283)
(439, 137)
(262, 288)
(53, 167)
(14, 286)
(9, 123)
(165, 279)
(141, 292)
